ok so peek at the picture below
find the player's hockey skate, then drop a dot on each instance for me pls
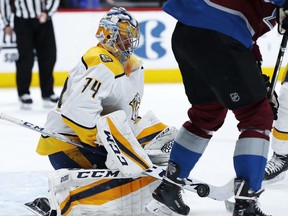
(246, 201)
(276, 167)
(169, 191)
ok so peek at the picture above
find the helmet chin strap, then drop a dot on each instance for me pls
(115, 52)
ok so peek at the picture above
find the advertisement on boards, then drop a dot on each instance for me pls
(75, 33)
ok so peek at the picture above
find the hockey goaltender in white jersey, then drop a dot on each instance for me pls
(99, 106)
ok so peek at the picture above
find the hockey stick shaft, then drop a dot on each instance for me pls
(41, 130)
(219, 193)
(278, 65)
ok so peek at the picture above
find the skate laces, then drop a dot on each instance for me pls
(253, 201)
(180, 186)
(256, 202)
(258, 209)
(275, 164)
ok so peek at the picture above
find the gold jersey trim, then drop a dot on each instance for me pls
(280, 135)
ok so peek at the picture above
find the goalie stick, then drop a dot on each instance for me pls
(43, 131)
(203, 189)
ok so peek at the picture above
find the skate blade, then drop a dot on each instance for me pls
(229, 205)
(278, 178)
(35, 209)
(158, 209)
(26, 106)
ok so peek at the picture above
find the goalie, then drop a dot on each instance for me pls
(99, 106)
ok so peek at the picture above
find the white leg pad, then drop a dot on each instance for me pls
(280, 135)
(124, 151)
(97, 192)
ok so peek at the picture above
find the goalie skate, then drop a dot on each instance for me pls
(40, 206)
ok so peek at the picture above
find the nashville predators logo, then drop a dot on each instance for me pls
(135, 104)
(105, 58)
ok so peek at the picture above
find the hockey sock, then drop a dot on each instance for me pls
(184, 158)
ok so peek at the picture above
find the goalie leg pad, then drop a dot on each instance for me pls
(99, 191)
(124, 151)
(280, 130)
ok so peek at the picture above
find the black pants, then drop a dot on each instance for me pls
(216, 67)
(35, 39)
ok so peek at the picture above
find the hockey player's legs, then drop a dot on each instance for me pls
(216, 67)
(226, 70)
(78, 158)
(255, 122)
(219, 73)
(193, 137)
(188, 147)
(250, 155)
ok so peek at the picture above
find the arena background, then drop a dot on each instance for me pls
(75, 33)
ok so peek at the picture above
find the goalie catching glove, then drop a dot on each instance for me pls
(155, 137)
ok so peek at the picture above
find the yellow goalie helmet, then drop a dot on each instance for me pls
(119, 33)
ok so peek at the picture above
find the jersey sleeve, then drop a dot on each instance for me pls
(83, 104)
(52, 6)
(5, 12)
(281, 3)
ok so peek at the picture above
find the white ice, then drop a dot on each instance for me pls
(23, 173)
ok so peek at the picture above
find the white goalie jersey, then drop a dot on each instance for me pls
(97, 86)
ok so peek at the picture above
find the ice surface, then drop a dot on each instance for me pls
(24, 173)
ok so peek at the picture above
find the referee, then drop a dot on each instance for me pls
(35, 38)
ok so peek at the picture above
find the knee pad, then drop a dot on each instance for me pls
(206, 118)
(258, 116)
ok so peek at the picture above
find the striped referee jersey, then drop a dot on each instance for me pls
(26, 9)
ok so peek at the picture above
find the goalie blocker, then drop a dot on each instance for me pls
(133, 146)
(124, 151)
